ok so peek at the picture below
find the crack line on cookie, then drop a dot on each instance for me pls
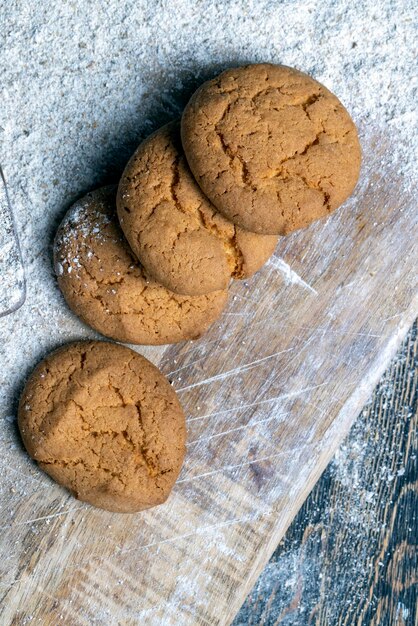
(233, 251)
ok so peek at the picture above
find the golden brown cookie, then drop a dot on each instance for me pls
(177, 234)
(271, 147)
(104, 423)
(105, 285)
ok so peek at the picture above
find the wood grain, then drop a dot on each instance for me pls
(350, 556)
(270, 394)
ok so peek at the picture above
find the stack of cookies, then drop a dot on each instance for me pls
(261, 151)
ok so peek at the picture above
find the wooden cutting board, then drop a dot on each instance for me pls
(269, 393)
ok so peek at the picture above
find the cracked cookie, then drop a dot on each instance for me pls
(177, 234)
(271, 147)
(103, 422)
(108, 289)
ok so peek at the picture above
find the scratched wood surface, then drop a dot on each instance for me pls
(269, 393)
(350, 556)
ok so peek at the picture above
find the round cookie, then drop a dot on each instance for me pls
(107, 288)
(177, 234)
(103, 422)
(271, 147)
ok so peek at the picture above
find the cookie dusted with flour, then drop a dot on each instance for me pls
(103, 422)
(107, 288)
(177, 234)
(272, 148)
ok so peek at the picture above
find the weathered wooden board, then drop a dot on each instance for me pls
(273, 388)
(350, 556)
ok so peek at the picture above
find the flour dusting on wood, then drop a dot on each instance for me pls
(348, 552)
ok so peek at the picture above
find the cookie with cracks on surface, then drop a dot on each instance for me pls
(104, 284)
(104, 422)
(177, 234)
(272, 148)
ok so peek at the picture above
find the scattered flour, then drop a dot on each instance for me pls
(348, 509)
